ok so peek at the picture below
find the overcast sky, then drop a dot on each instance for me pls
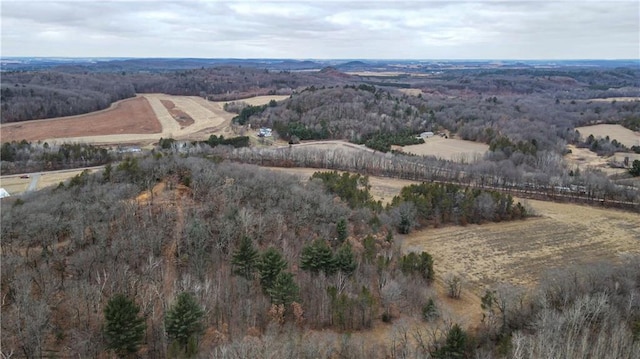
(512, 29)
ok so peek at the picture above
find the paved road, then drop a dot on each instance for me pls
(34, 183)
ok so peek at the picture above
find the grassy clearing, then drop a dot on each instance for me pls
(615, 132)
(519, 252)
(14, 184)
(449, 149)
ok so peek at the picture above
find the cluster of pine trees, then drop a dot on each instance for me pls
(442, 203)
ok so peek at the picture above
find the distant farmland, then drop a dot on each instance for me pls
(131, 116)
(141, 120)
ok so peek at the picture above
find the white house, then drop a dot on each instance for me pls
(264, 132)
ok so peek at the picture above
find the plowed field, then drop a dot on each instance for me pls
(131, 116)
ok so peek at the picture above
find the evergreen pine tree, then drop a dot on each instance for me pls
(245, 259)
(284, 289)
(270, 265)
(317, 257)
(342, 231)
(345, 260)
(183, 324)
(123, 328)
(454, 346)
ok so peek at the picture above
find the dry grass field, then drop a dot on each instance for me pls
(449, 149)
(519, 252)
(382, 188)
(261, 100)
(620, 156)
(609, 99)
(14, 184)
(585, 158)
(385, 74)
(54, 178)
(617, 132)
(411, 92)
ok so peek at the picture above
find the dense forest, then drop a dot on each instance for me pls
(37, 95)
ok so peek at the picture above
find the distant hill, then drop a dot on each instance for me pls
(352, 66)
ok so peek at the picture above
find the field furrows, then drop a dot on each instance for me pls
(519, 252)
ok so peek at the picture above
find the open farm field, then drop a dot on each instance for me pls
(142, 120)
(615, 132)
(183, 119)
(54, 178)
(411, 92)
(519, 252)
(131, 116)
(14, 184)
(585, 158)
(620, 157)
(448, 148)
(332, 145)
(386, 74)
(382, 188)
(609, 99)
(261, 100)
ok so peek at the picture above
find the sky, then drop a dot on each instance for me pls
(331, 29)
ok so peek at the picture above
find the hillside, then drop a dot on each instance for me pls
(154, 228)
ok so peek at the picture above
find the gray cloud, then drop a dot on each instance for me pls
(323, 29)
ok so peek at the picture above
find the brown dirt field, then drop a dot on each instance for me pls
(183, 119)
(131, 116)
(617, 132)
(448, 148)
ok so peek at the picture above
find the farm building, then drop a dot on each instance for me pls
(264, 132)
(427, 134)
